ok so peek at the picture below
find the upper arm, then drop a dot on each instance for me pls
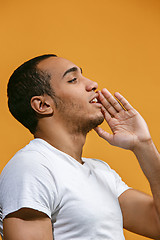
(139, 213)
(27, 224)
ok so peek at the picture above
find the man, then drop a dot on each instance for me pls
(48, 191)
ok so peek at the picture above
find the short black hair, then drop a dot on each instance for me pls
(25, 82)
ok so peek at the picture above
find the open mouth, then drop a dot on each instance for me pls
(94, 100)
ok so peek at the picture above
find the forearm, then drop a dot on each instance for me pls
(149, 160)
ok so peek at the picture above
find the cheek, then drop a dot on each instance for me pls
(68, 98)
(76, 105)
(69, 104)
(74, 98)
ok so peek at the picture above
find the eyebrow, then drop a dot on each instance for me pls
(73, 69)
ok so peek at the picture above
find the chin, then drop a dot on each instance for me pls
(98, 121)
(92, 123)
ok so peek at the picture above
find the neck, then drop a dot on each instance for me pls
(64, 140)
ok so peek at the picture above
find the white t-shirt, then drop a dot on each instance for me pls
(80, 199)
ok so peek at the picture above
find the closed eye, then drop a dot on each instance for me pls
(73, 80)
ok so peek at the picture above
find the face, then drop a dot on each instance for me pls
(76, 100)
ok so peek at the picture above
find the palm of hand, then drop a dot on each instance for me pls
(127, 125)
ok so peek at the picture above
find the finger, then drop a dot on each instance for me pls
(123, 101)
(106, 114)
(107, 105)
(105, 135)
(113, 102)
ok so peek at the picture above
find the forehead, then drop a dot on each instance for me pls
(55, 65)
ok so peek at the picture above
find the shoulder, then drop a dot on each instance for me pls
(24, 161)
(97, 163)
(33, 156)
(27, 165)
(108, 175)
(102, 165)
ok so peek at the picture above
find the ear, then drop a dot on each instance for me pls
(43, 105)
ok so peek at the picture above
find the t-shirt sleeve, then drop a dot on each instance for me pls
(27, 182)
(120, 185)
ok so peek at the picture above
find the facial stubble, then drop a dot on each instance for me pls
(74, 119)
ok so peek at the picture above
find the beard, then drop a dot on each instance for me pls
(75, 118)
(90, 124)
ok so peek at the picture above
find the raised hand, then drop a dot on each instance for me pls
(128, 127)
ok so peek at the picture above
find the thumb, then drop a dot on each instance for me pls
(105, 135)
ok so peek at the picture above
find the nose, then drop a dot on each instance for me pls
(91, 85)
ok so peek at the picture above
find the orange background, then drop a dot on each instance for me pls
(117, 43)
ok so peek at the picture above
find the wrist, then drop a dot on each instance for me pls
(143, 146)
(149, 160)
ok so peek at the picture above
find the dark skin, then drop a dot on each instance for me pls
(141, 213)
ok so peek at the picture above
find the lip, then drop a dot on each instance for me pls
(95, 96)
(98, 104)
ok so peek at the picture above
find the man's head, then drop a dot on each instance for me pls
(25, 82)
(53, 86)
